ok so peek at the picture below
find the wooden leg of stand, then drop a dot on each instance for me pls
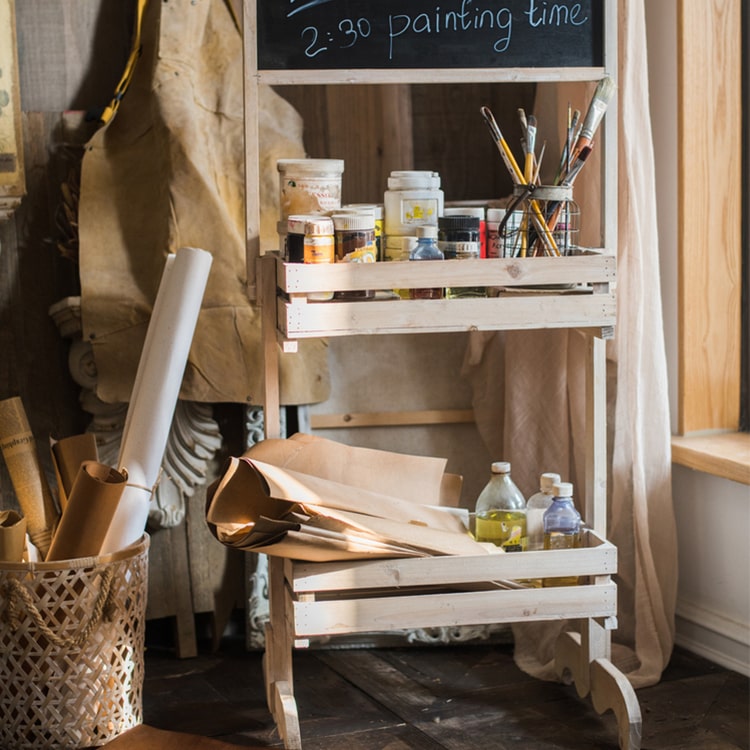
(585, 658)
(277, 661)
(568, 662)
(610, 689)
(574, 652)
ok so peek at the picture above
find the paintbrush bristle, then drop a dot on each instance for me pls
(605, 89)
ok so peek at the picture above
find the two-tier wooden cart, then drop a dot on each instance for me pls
(308, 600)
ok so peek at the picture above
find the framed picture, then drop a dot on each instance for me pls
(12, 182)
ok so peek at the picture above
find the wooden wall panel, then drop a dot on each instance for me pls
(378, 129)
(709, 221)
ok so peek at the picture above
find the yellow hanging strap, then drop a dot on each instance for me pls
(135, 52)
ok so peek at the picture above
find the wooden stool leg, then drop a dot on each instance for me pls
(277, 661)
(610, 689)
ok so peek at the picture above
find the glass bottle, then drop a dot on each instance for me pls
(535, 507)
(501, 511)
(562, 528)
(426, 249)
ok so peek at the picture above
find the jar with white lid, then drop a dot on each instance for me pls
(309, 186)
(495, 245)
(377, 212)
(354, 235)
(310, 239)
(413, 199)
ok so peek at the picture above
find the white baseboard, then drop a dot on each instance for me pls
(713, 636)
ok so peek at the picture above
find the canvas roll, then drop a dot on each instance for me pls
(92, 502)
(156, 389)
(26, 474)
(12, 536)
(68, 454)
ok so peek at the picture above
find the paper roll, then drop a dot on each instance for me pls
(156, 389)
(67, 455)
(12, 536)
(92, 502)
(26, 474)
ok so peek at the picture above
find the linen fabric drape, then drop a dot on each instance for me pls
(528, 398)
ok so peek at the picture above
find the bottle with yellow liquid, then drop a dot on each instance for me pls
(562, 528)
(501, 511)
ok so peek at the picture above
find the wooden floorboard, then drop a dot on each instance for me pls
(458, 697)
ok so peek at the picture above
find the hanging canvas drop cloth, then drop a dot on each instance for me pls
(166, 172)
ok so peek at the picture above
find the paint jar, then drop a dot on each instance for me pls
(494, 240)
(413, 199)
(480, 213)
(310, 240)
(309, 186)
(296, 227)
(354, 238)
(458, 237)
(377, 212)
(407, 244)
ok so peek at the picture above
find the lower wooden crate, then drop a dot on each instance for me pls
(310, 600)
(328, 599)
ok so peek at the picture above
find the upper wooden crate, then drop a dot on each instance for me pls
(575, 291)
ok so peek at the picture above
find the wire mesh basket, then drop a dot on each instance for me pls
(540, 220)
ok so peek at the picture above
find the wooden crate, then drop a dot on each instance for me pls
(329, 599)
(574, 291)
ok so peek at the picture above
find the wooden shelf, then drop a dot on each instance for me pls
(577, 291)
(568, 292)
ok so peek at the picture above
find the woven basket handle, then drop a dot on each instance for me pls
(19, 598)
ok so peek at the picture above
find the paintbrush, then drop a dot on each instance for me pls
(517, 176)
(555, 208)
(605, 89)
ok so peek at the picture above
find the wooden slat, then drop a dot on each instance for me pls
(300, 320)
(600, 557)
(709, 213)
(441, 610)
(594, 268)
(427, 75)
(391, 418)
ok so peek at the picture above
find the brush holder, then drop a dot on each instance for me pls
(540, 220)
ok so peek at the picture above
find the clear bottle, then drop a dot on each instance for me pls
(426, 249)
(562, 528)
(535, 507)
(501, 511)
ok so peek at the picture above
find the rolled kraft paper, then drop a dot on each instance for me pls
(12, 536)
(67, 455)
(92, 502)
(26, 474)
(156, 389)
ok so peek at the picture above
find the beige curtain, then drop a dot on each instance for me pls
(167, 172)
(528, 395)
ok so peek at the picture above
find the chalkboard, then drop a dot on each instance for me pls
(377, 34)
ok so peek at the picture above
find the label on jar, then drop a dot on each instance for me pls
(462, 249)
(310, 195)
(319, 249)
(416, 211)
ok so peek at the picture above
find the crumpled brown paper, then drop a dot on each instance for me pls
(318, 500)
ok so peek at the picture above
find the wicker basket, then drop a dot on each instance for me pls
(71, 649)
